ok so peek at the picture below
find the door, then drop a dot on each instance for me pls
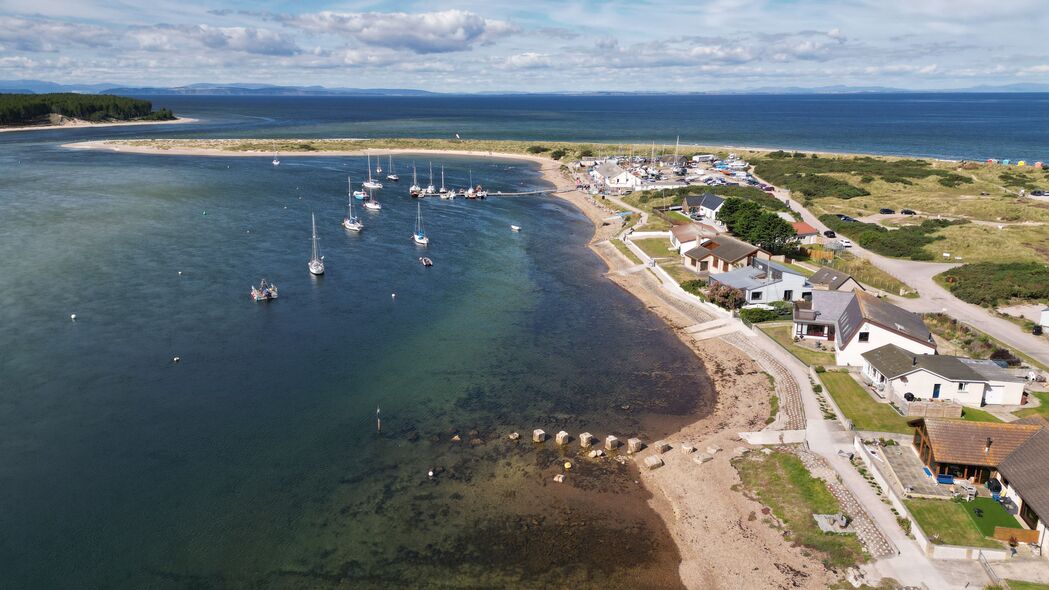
(936, 391)
(788, 295)
(995, 395)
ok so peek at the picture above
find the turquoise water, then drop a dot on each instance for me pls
(255, 461)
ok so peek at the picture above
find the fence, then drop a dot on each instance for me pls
(1016, 535)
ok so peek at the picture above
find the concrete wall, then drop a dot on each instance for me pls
(851, 355)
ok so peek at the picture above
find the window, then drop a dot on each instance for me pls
(702, 265)
(755, 296)
(936, 391)
(865, 336)
(788, 295)
(961, 386)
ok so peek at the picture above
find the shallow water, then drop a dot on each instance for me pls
(255, 460)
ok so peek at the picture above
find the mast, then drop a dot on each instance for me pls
(349, 194)
(314, 256)
(391, 164)
(431, 173)
(418, 218)
(369, 167)
(442, 177)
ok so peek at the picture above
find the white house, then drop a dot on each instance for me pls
(706, 205)
(687, 236)
(1043, 319)
(765, 281)
(857, 322)
(805, 232)
(831, 279)
(612, 175)
(902, 375)
(1024, 475)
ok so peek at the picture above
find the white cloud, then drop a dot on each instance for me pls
(37, 34)
(528, 60)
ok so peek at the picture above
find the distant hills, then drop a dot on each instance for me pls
(238, 89)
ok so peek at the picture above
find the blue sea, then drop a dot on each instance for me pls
(256, 460)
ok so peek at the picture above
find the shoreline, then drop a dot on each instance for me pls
(706, 515)
(79, 124)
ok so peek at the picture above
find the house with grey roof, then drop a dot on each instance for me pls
(765, 281)
(613, 175)
(901, 375)
(857, 322)
(721, 254)
(706, 205)
(832, 279)
(1024, 475)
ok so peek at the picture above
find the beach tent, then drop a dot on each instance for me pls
(992, 161)
(1038, 165)
(1021, 163)
(1006, 162)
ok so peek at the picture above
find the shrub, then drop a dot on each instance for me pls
(820, 369)
(906, 242)
(991, 283)
(557, 154)
(757, 315)
(586, 153)
(725, 296)
(694, 286)
(537, 149)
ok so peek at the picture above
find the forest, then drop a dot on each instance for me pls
(29, 109)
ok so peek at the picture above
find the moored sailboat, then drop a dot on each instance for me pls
(370, 183)
(392, 175)
(351, 221)
(316, 262)
(430, 188)
(415, 190)
(419, 236)
(371, 204)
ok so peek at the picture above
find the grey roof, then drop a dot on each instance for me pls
(760, 273)
(723, 247)
(825, 308)
(865, 306)
(708, 200)
(1027, 469)
(893, 361)
(609, 169)
(831, 277)
(990, 370)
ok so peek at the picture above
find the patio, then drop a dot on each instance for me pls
(910, 473)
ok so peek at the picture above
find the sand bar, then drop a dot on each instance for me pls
(80, 124)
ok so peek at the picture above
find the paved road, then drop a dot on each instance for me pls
(933, 297)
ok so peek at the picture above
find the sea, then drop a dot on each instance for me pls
(292, 444)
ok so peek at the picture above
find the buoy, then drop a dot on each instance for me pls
(568, 465)
(72, 316)
(430, 473)
(205, 213)
(180, 273)
(176, 359)
(393, 295)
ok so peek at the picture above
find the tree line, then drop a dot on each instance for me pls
(23, 109)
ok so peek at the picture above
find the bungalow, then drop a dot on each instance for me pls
(721, 254)
(903, 375)
(830, 279)
(1024, 475)
(969, 450)
(805, 232)
(706, 206)
(687, 236)
(614, 176)
(858, 322)
(765, 281)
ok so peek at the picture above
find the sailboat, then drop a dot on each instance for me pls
(371, 204)
(371, 184)
(316, 263)
(351, 222)
(378, 165)
(419, 236)
(276, 162)
(392, 175)
(443, 190)
(415, 190)
(430, 189)
(470, 192)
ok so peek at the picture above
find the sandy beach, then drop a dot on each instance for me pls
(79, 124)
(719, 531)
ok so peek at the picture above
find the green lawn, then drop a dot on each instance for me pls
(656, 247)
(781, 482)
(783, 334)
(859, 407)
(948, 522)
(626, 251)
(991, 515)
(677, 271)
(655, 223)
(975, 415)
(1042, 410)
(1021, 585)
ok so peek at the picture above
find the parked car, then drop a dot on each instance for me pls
(830, 234)
(886, 211)
(846, 243)
(908, 211)
(1040, 193)
(842, 216)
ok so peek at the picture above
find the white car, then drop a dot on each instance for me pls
(846, 243)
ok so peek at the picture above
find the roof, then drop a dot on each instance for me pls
(830, 277)
(966, 443)
(824, 308)
(803, 229)
(867, 307)
(893, 361)
(990, 370)
(760, 273)
(1027, 469)
(708, 200)
(724, 247)
(609, 169)
(687, 232)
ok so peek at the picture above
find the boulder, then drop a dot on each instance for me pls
(538, 435)
(653, 462)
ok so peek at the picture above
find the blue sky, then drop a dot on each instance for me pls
(532, 45)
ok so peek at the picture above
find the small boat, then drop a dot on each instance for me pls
(276, 162)
(264, 292)
(392, 175)
(415, 190)
(480, 193)
(425, 261)
(360, 195)
(371, 204)
(316, 262)
(419, 236)
(515, 228)
(371, 184)
(351, 221)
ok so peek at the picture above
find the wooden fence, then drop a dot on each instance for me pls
(1018, 535)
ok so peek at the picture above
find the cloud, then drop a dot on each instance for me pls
(37, 34)
(427, 32)
(241, 39)
(528, 61)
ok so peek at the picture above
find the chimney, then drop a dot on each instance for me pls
(988, 448)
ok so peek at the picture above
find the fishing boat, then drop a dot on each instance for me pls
(515, 228)
(264, 292)
(430, 189)
(361, 195)
(351, 221)
(371, 204)
(425, 261)
(480, 193)
(316, 262)
(419, 236)
(415, 190)
(443, 191)
(392, 175)
(371, 184)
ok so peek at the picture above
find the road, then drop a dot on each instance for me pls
(933, 297)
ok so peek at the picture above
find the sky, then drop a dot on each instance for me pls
(529, 45)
